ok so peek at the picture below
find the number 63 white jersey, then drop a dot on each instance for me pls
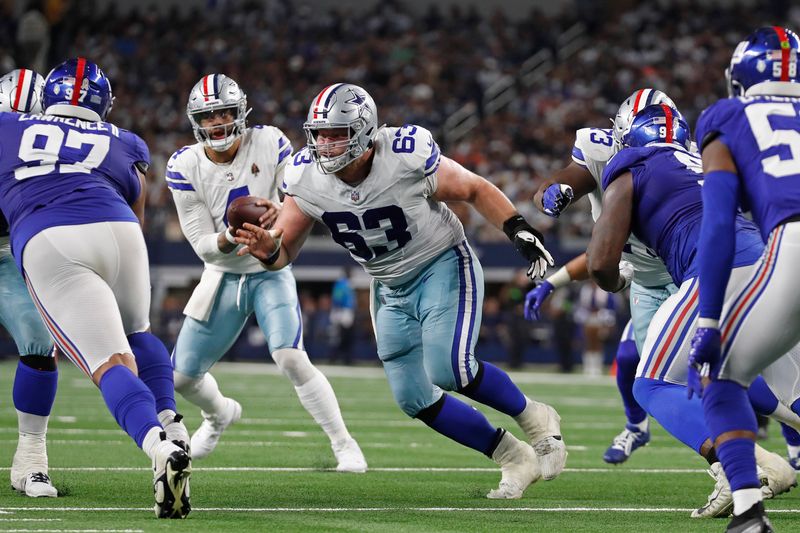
(203, 190)
(389, 222)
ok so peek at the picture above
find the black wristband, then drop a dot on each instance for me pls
(517, 223)
(272, 258)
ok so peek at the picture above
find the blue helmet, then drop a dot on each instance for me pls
(93, 99)
(657, 123)
(768, 54)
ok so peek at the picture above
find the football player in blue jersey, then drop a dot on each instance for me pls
(381, 192)
(650, 284)
(653, 190)
(751, 159)
(72, 189)
(36, 378)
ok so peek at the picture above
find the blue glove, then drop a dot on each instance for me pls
(703, 359)
(556, 198)
(535, 298)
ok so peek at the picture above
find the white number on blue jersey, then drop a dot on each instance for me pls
(768, 137)
(691, 162)
(47, 155)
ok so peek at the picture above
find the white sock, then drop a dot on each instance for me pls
(786, 415)
(643, 425)
(204, 393)
(794, 451)
(317, 396)
(151, 441)
(33, 424)
(744, 499)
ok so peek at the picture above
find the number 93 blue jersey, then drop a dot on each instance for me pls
(59, 171)
(763, 135)
(668, 207)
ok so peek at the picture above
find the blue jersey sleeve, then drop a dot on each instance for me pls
(621, 163)
(717, 241)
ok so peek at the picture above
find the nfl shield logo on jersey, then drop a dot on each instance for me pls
(355, 196)
(229, 176)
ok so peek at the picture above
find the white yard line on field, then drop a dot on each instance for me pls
(435, 470)
(379, 509)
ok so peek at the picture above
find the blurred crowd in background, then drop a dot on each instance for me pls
(421, 66)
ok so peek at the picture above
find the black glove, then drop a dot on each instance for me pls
(529, 243)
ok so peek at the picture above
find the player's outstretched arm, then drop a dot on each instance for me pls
(575, 270)
(564, 187)
(610, 234)
(456, 184)
(278, 247)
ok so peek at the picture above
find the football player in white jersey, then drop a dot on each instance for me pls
(650, 283)
(232, 160)
(381, 192)
(36, 378)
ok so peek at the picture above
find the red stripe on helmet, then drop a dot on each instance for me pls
(79, 75)
(636, 102)
(20, 83)
(319, 98)
(784, 39)
(668, 116)
(205, 88)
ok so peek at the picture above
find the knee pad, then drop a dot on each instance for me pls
(295, 365)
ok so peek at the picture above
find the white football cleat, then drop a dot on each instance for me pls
(172, 468)
(207, 436)
(29, 468)
(781, 476)
(35, 485)
(348, 455)
(519, 466)
(720, 501)
(542, 425)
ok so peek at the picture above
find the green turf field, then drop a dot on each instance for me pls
(273, 472)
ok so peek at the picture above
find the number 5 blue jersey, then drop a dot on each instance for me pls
(763, 136)
(667, 207)
(59, 171)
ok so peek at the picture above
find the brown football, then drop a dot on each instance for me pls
(244, 209)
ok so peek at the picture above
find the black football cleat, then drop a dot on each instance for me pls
(754, 520)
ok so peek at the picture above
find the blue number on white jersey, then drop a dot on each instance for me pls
(344, 228)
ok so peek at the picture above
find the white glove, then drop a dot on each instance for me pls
(626, 271)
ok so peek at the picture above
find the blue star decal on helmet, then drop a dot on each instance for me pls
(357, 99)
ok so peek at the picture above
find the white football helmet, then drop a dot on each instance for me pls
(342, 105)
(21, 92)
(632, 105)
(211, 94)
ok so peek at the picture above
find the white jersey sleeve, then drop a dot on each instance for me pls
(390, 223)
(203, 190)
(193, 214)
(593, 148)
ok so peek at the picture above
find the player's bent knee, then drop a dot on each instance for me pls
(117, 359)
(184, 383)
(627, 355)
(294, 364)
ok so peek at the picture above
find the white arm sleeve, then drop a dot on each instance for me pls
(198, 226)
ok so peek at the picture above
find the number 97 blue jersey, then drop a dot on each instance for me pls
(59, 171)
(763, 135)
